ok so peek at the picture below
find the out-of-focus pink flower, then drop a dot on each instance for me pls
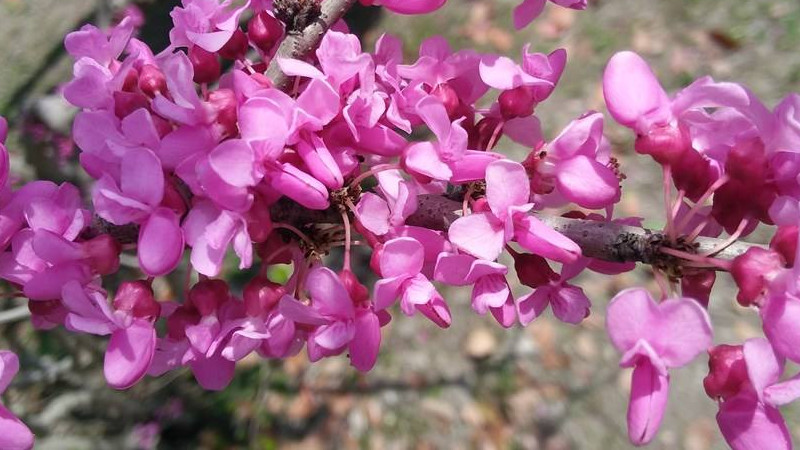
(653, 338)
(15, 434)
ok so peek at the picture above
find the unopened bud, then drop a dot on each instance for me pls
(103, 254)
(205, 64)
(136, 297)
(236, 47)
(517, 102)
(208, 295)
(152, 80)
(264, 31)
(727, 371)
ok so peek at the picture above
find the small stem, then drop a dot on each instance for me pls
(495, 135)
(379, 168)
(701, 201)
(294, 230)
(346, 221)
(669, 230)
(731, 239)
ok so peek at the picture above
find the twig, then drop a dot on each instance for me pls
(300, 45)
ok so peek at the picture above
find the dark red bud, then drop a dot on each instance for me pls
(131, 80)
(517, 102)
(785, 243)
(274, 250)
(261, 295)
(136, 297)
(259, 220)
(264, 31)
(128, 102)
(665, 144)
(752, 271)
(173, 199)
(449, 98)
(487, 131)
(236, 47)
(208, 295)
(181, 318)
(152, 81)
(533, 270)
(224, 103)
(375, 259)
(698, 285)
(358, 292)
(205, 64)
(727, 371)
(103, 254)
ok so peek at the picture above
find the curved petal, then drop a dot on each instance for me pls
(525, 12)
(366, 341)
(129, 354)
(588, 183)
(631, 89)
(479, 234)
(328, 294)
(160, 246)
(401, 257)
(748, 424)
(649, 393)
(507, 185)
(16, 435)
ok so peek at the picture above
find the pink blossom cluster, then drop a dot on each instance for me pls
(717, 142)
(192, 163)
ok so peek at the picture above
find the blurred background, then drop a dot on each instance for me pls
(548, 386)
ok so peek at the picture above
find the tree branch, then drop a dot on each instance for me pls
(602, 240)
(300, 45)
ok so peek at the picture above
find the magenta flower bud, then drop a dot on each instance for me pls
(666, 144)
(449, 98)
(375, 259)
(152, 80)
(128, 102)
(173, 199)
(177, 322)
(131, 80)
(259, 220)
(358, 292)
(208, 295)
(785, 243)
(264, 31)
(533, 270)
(136, 297)
(752, 272)
(481, 134)
(103, 254)
(270, 250)
(480, 205)
(517, 102)
(698, 286)
(223, 101)
(205, 64)
(260, 295)
(727, 371)
(236, 47)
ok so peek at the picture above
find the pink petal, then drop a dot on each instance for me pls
(129, 354)
(295, 311)
(233, 161)
(478, 234)
(507, 185)
(531, 306)
(320, 162)
(412, 6)
(570, 304)
(422, 158)
(299, 186)
(491, 291)
(160, 246)
(335, 335)
(16, 435)
(748, 424)
(525, 12)
(533, 235)
(649, 393)
(141, 176)
(9, 366)
(401, 257)
(453, 268)
(764, 367)
(214, 373)
(373, 213)
(328, 295)
(588, 183)
(783, 393)
(631, 89)
(366, 342)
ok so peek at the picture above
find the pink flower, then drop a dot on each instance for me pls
(408, 6)
(569, 303)
(16, 435)
(130, 324)
(748, 416)
(483, 234)
(401, 263)
(653, 338)
(208, 24)
(338, 323)
(491, 291)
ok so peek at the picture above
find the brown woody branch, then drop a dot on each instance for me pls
(299, 45)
